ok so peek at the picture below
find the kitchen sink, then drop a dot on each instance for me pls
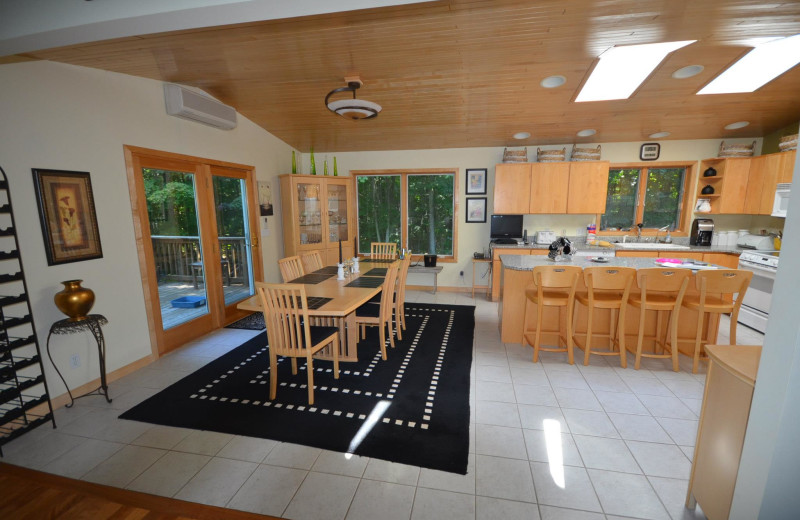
(650, 245)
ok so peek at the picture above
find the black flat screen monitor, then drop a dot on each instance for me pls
(506, 226)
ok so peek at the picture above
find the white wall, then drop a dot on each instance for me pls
(73, 118)
(475, 237)
(769, 471)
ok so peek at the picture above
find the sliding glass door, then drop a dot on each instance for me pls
(196, 247)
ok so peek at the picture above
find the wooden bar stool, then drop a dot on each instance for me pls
(716, 290)
(553, 286)
(661, 289)
(608, 288)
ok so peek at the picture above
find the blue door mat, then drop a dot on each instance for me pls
(188, 302)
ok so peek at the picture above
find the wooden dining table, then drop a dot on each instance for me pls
(342, 306)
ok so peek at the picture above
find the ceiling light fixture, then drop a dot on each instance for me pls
(522, 135)
(620, 70)
(688, 71)
(553, 81)
(758, 67)
(587, 132)
(737, 125)
(659, 135)
(355, 108)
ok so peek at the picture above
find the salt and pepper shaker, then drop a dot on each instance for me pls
(355, 265)
(340, 272)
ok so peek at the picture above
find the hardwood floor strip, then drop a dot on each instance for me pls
(29, 494)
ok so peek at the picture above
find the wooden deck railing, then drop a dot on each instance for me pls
(174, 256)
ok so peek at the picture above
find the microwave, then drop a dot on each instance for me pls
(781, 203)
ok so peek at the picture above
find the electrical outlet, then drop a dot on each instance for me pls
(75, 361)
(461, 273)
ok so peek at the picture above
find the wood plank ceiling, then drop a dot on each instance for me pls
(466, 73)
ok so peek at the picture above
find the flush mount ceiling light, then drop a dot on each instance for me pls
(737, 125)
(553, 81)
(522, 135)
(688, 72)
(758, 67)
(587, 132)
(659, 135)
(620, 70)
(355, 108)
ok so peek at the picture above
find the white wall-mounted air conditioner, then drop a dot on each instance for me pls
(182, 102)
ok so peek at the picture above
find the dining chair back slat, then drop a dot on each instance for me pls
(291, 267)
(383, 250)
(312, 261)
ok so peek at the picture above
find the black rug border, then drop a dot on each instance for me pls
(323, 442)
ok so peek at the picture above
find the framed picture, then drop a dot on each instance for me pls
(649, 151)
(476, 209)
(66, 211)
(265, 198)
(476, 181)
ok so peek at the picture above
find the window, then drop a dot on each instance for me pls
(652, 196)
(415, 210)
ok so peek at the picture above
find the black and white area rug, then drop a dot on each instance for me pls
(412, 408)
(253, 321)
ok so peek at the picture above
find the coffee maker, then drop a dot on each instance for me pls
(702, 230)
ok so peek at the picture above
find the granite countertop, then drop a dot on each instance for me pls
(528, 262)
(582, 246)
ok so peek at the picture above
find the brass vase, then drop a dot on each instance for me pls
(74, 301)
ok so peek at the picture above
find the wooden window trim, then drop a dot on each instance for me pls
(687, 201)
(404, 174)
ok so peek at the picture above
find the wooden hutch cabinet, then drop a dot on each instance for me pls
(318, 211)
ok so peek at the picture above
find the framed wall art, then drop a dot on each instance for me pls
(476, 181)
(67, 214)
(476, 209)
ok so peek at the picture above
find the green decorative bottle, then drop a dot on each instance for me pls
(313, 164)
(294, 163)
(335, 171)
(325, 167)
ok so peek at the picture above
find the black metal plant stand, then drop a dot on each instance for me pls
(93, 324)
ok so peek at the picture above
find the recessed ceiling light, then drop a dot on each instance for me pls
(758, 67)
(522, 135)
(737, 124)
(621, 70)
(659, 135)
(688, 72)
(587, 132)
(553, 81)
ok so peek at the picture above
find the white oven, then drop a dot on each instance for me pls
(758, 298)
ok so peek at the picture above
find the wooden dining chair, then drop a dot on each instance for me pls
(312, 261)
(291, 334)
(400, 296)
(718, 292)
(383, 250)
(381, 315)
(291, 267)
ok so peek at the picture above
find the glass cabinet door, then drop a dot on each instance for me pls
(309, 211)
(337, 213)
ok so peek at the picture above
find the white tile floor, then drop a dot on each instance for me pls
(548, 440)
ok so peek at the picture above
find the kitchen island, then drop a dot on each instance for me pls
(518, 274)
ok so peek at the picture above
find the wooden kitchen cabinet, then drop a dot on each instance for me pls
(724, 414)
(766, 172)
(549, 187)
(318, 211)
(497, 267)
(727, 260)
(512, 187)
(588, 187)
(730, 183)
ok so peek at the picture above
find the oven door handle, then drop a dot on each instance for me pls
(757, 269)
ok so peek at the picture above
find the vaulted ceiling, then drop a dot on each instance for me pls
(466, 73)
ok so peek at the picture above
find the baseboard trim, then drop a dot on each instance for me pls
(442, 288)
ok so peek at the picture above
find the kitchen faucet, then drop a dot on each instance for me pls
(639, 232)
(668, 238)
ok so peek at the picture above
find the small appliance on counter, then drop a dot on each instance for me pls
(544, 237)
(702, 231)
(757, 242)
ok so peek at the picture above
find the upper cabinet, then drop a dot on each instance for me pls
(555, 188)
(745, 185)
(317, 213)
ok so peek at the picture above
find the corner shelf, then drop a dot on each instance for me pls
(24, 396)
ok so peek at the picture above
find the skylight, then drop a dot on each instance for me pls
(621, 70)
(758, 67)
